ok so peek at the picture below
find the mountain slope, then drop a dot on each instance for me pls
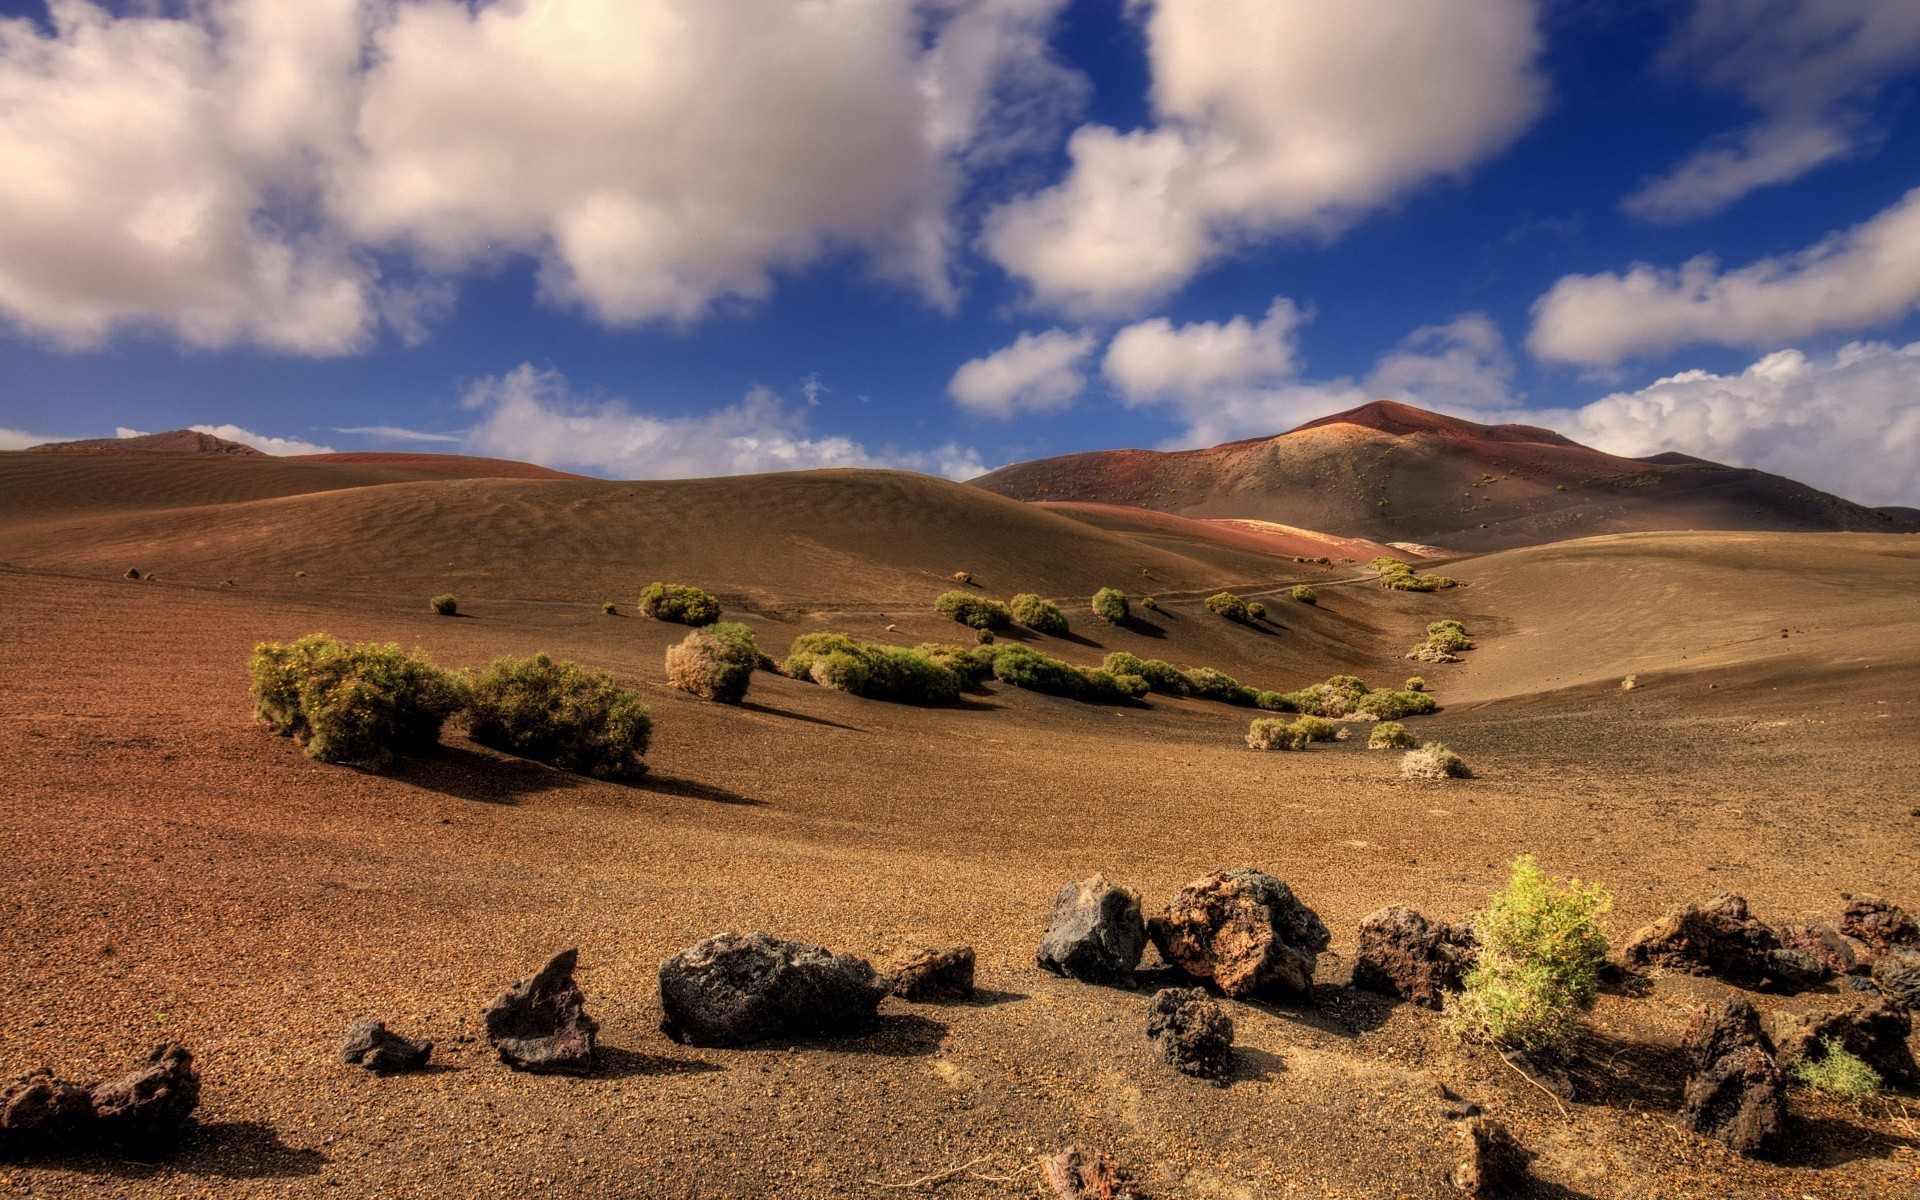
(1389, 472)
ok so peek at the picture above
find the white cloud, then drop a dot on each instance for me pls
(1271, 116)
(17, 439)
(259, 441)
(395, 433)
(1811, 67)
(1461, 367)
(1865, 276)
(534, 415)
(230, 175)
(1037, 373)
(1152, 360)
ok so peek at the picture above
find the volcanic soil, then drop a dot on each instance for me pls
(173, 872)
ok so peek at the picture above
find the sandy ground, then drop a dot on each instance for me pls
(173, 872)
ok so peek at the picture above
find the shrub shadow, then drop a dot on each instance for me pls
(1621, 1073)
(1143, 627)
(467, 774)
(769, 710)
(894, 1035)
(1332, 1009)
(613, 1062)
(668, 785)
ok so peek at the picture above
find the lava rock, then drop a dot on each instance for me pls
(1191, 1031)
(1720, 938)
(935, 975)
(1898, 974)
(1876, 1030)
(1878, 922)
(1403, 954)
(1077, 1174)
(149, 1106)
(1095, 934)
(1823, 943)
(1734, 1091)
(1244, 930)
(39, 1113)
(1492, 1163)
(731, 990)
(371, 1045)
(541, 1024)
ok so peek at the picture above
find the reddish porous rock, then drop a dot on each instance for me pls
(1720, 938)
(1191, 1031)
(1245, 931)
(1077, 1174)
(149, 1105)
(1095, 933)
(372, 1045)
(1898, 974)
(541, 1024)
(1403, 954)
(1878, 922)
(1735, 1091)
(1822, 943)
(1492, 1162)
(39, 1113)
(935, 975)
(1875, 1030)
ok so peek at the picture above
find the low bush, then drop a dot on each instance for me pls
(1450, 636)
(1401, 577)
(1433, 761)
(714, 663)
(444, 604)
(1305, 594)
(610, 608)
(975, 611)
(1256, 611)
(1110, 604)
(1273, 702)
(1209, 684)
(1024, 668)
(679, 603)
(1537, 968)
(1416, 684)
(1337, 697)
(361, 704)
(1838, 1073)
(561, 714)
(1150, 604)
(1390, 735)
(1228, 605)
(1317, 729)
(971, 663)
(875, 672)
(1272, 733)
(1038, 614)
(1391, 706)
(1161, 676)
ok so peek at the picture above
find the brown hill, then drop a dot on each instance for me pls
(174, 441)
(1390, 472)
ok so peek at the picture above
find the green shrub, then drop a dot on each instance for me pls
(1209, 684)
(1256, 611)
(1449, 636)
(1391, 706)
(1336, 697)
(1434, 762)
(1038, 614)
(1228, 605)
(1110, 604)
(1161, 676)
(1416, 684)
(975, 611)
(971, 663)
(1541, 949)
(1317, 729)
(444, 604)
(1024, 668)
(1272, 733)
(679, 602)
(1273, 702)
(1838, 1072)
(1150, 604)
(359, 704)
(610, 608)
(1305, 594)
(875, 672)
(715, 663)
(1401, 577)
(560, 713)
(1390, 735)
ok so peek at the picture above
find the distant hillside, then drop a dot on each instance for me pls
(1390, 472)
(176, 441)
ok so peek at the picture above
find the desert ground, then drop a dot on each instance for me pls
(173, 872)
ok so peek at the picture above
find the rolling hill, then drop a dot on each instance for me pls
(1390, 472)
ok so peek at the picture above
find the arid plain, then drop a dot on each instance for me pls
(172, 872)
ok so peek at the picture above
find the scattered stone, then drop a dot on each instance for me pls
(1722, 939)
(1876, 1030)
(1493, 1162)
(1822, 943)
(1403, 954)
(733, 990)
(541, 1024)
(1878, 922)
(39, 1113)
(1095, 934)
(1192, 1032)
(149, 1105)
(935, 975)
(1244, 930)
(1735, 1091)
(369, 1044)
(1077, 1174)
(1898, 974)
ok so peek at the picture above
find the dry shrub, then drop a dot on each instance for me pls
(1390, 735)
(1435, 762)
(1272, 733)
(715, 663)
(444, 604)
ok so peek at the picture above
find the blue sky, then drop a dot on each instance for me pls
(669, 237)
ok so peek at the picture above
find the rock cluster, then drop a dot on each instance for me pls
(1734, 1091)
(733, 990)
(541, 1024)
(146, 1109)
(1245, 931)
(1191, 1031)
(1879, 923)
(935, 975)
(1403, 954)
(1095, 934)
(1722, 939)
(1876, 1031)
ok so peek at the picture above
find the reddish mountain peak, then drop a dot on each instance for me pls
(175, 441)
(1403, 420)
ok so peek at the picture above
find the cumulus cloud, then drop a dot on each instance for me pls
(296, 176)
(1270, 116)
(1461, 367)
(1037, 373)
(1855, 279)
(19, 439)
(396, 433)
(1811, 67)
(264, 443)
(534, 415)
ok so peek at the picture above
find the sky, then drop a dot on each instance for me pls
(662, 238)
